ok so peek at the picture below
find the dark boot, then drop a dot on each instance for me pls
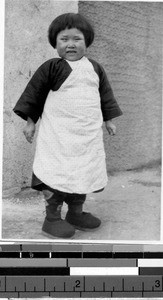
(76, 217)
(53, 224)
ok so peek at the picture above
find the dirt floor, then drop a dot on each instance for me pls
(129, 209)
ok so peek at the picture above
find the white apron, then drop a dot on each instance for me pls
(70, 153)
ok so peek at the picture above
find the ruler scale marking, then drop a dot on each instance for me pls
(44, 285)
(123, 284)
(104, 286)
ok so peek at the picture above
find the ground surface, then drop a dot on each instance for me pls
(129, 209)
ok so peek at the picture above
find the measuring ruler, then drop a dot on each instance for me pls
(80, 270)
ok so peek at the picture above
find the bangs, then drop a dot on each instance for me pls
(70, 20)
(74, 21)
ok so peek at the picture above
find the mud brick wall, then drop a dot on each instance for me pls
(128, 43)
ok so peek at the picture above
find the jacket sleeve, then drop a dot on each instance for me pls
(109, 106)
(32, 100)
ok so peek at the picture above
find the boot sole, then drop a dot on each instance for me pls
(86, 229)
(56, 237)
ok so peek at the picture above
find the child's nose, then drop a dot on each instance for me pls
(71, 44)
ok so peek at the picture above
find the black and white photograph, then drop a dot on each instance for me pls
(82, 120)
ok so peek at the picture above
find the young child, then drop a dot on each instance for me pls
(72, 97)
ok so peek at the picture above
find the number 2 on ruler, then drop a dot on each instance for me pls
(77, 283)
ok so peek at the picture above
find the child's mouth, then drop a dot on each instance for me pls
(71, 51)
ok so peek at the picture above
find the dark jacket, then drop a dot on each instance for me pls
(50, 76)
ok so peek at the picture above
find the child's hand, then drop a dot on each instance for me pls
(29, 130)
(111, 128)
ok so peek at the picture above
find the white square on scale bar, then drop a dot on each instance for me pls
(150, 262)
(103, 271)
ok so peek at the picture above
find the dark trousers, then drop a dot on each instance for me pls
(54, 200)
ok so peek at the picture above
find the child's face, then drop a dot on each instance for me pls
(71, 44)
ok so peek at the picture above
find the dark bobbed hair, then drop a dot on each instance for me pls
(70, 20)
